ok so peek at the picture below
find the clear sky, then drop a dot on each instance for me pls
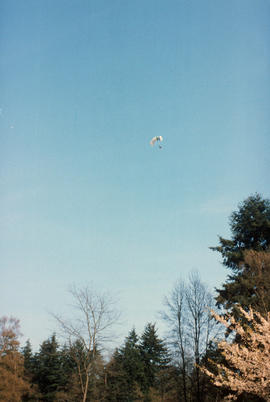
(85, 85)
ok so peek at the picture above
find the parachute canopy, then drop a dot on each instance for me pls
(155, 139)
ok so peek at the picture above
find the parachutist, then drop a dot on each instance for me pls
(155, 139)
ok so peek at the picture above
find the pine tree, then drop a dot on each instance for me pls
(70, 381)
(139, 370)
(131, 358)
(28, 357)
(155, 358)
(125, 371)
(29, 373)
(88, 368)
(250, 227)
(49, 374)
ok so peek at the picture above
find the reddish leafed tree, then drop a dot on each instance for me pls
(12, 384)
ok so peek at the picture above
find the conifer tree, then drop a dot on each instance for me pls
(49, 373)
(139, 370)
(28, 356)
(88, 367)
(155, 357)
(125, 371)
(29, 373)
(71, 385)
(131, 358)
(250, 227)
(116, 386)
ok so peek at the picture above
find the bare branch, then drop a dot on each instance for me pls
(95, 316)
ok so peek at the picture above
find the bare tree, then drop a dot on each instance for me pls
(190, 327)
(175, 317)
(200, 325)
(88, 331)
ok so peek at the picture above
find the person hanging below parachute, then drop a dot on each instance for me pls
(156, 139)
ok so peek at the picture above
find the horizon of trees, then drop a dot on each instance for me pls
(193, 362)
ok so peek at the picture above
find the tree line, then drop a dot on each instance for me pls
(215, 349)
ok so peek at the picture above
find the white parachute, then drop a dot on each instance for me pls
(156, 139)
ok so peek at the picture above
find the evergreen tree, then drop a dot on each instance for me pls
(88, 369)
(70, 381)
(250, 227)
(125, 371)
(29, 372)
(28, 355)
(49, 373)
(131, 358)
(139, 370)
(155, 358)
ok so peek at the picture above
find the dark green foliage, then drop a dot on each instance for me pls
(69, 381)
(67, 363)
(56, 373)
(250, 227)
(29, 373)
(49, 373)
(139, 368)
(246, 254)
(28, 357)
(125, 371)
(48, 376)
(129, 357)
(155, 357)
(85, 362)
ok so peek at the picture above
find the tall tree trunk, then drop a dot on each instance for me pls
(85, 389)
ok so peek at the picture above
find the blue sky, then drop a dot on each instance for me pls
(84, 198)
